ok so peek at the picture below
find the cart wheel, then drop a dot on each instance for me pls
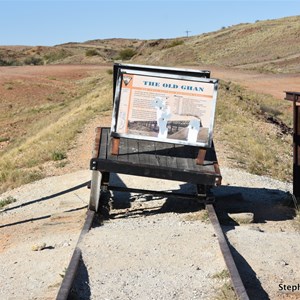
(95, 191)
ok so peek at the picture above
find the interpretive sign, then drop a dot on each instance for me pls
(163, 107)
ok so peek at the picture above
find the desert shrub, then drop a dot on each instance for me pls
(126, 53)
(32, 60)
(91, 52)
(269, 110)
(155, 43)
(3, 62)
(4, 139)
(7, 200)
(57, 55)
(258, 146)
(58, 155)
(10, 62)
(175, 43)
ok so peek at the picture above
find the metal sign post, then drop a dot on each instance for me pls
(295, 97)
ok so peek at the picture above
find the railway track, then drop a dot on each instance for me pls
(236, 281)
(71, 271)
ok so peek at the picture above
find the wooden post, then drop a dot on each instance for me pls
(218, 172)
(296, 167)
(201, 156)
(95, 153)
(295, 97)
(115, 146)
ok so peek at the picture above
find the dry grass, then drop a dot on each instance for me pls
(8, 200)
(226, 292)
(224, 274)
(254, 144)
(54, 134)
(260, 46)
(250, 142)
(201, 215)
(297, 220)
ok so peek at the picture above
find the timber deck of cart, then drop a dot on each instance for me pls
(151, 159)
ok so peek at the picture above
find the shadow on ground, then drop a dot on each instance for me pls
(72, 189)
(265, 205)
(81, 289)
(124, 201)
(248, 275)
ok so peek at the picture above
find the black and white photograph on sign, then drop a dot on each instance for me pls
(164, 127)
(165, 108)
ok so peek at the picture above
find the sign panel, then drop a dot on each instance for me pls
(164, 107)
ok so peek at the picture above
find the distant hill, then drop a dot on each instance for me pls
(266, 46)
(269, 46)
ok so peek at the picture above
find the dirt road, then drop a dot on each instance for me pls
(273, 84)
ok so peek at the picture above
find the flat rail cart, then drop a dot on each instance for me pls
(141, 149)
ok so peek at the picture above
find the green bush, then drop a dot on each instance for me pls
(4, 139)
(54, 56)
(126, 54)
(175, 43)
(4, 62)
(10, 62)
(7, 200)
(58, 155)
(91, 52)
(270, 110)
(32, 60)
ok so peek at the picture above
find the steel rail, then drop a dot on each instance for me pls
(236, 280)
(237, 283)
(71, 271)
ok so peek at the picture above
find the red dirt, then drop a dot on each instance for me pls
(26, 89)
(272, 84)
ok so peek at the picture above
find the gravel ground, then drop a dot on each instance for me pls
(152, 258)
(165, 249)
(44, 220)
(151, 248)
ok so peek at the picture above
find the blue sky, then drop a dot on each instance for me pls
(55, 22)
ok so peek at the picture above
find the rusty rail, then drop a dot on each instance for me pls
(236, 280)
(71, 271)
(237, 283)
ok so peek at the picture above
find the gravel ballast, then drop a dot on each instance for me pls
(152, 247)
